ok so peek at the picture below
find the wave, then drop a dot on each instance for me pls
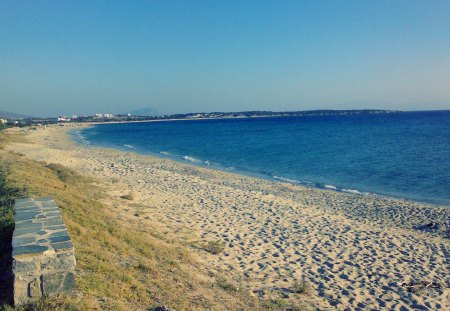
(80, 137)
(129, 146)
(195, 160)
(330, 187)
(317, 185)
(351, 191)
(164, 152)
(191, 159)
(294, 181)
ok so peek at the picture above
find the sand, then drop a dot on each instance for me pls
(354, 250)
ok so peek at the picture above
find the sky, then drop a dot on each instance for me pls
(84, 57)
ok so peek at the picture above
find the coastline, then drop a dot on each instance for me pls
(189, 160)
(353, 249)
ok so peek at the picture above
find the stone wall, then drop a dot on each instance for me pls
(43, 254)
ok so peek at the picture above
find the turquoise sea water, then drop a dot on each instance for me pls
(404, 155)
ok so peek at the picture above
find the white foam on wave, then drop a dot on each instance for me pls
(191, 159)
(164, 152)
(351, 191)
(129, 146)
(81, 138)
(195, 160)
(286, 179)
(330, 187)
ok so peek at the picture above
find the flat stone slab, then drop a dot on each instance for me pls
(29, 249)
(43, 253)
(37, 220)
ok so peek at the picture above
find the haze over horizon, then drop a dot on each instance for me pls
(183, 56)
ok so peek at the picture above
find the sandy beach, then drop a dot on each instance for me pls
(358, 252)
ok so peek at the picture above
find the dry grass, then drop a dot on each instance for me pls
(301, 288)
(64, 174)
(119, 267)
(6, 138)
(54, 303)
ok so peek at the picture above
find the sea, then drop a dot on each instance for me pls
(403, 154)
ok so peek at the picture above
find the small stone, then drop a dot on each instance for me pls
(23, 266)
(68, 285)
(25, 215)
(50, 210)
(62, 245)
(28, 209)
(26, 231)
(59, 239)
(27, 224)
(58, 222)
(51, 214)
(59, 233)
(51, 283)
(22, 241)
(55, 227)
(29, 249)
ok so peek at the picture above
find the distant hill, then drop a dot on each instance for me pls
(144, 112)
(10, 115)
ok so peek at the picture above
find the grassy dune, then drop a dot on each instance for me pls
(119, 267)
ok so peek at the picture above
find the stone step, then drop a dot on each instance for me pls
(43, 254)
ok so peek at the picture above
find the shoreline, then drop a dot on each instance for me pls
(202, 163)
(353, 250)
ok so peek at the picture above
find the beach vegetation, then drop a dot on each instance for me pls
(215, 247)
(63, 173)
(301, 287)
(227, 285)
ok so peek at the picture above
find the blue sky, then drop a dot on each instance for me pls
(64, 57)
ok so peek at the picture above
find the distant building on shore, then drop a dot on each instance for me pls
(63, 119)
(104, 115)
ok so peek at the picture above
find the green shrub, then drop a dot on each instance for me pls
(64, 174)
(215, 247)
(302, 288)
